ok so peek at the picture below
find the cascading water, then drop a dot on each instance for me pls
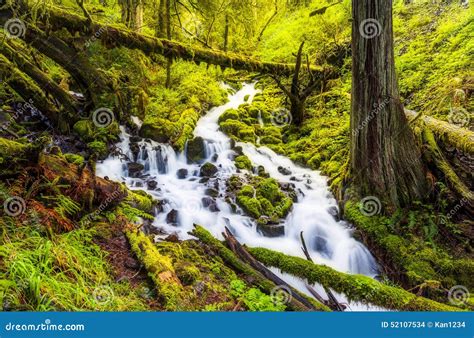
(168, 176)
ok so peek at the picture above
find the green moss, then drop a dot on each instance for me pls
(230, 114)
(99, 148)
(85, 129)
(355, 287)
(243, 162)
(74, 158)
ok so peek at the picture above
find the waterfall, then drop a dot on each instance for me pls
(190, 199)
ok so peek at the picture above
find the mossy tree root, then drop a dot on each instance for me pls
(355, 287)
(238, 265)
(435, 156)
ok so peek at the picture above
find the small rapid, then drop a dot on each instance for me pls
(190, 199)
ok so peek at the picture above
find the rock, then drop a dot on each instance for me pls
(215, 157)
(204, 180)
(284, 171)
(172, 217)
(131, 263)
(135, 139)
(152, 185)
(196, 150)
(134, 169)
(270, 229)
(208, 170)
(182, 173)
(334, 212)
(211, 204)
(212, 192)
(261, 172)
(135, 149)
(172, 238)
(238, 150)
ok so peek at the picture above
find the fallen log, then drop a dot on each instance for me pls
(332, 300)
(112, 36)
(240, 251)
(160, 268)
(450, 134)
(28, 90)
(356, 287)
(71, 106)
(255, 277)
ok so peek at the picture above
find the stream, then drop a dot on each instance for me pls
(187, 199)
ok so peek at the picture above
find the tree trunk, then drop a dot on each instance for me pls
(168, 36)
(385, 160)
(226, 33)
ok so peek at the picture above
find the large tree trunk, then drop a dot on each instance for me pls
(385, 160)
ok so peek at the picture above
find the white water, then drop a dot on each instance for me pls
(330, 242)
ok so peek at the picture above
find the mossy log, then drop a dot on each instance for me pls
(238, 265)
(113, 36)
(159, 267)
(92, 192)
(355, 287)
(87, 77)
(71, 106)
(454, 136)
(28, 90)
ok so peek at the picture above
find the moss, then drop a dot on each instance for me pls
(355, 287)
(85, 129)
(74, 158)
(250, 205)
(158, 129)
(99, 148)
(159, 267)
(243, 162)
(232, 260)
(230, 114)
(141, 200)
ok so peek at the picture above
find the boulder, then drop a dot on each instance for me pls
(284, 171)
(134, 169)
(182, 173)
(208, 170)
(172, 217)
(196, 150)
(152, 184)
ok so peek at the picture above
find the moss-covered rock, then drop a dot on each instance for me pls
(243, 162)
(195, 150)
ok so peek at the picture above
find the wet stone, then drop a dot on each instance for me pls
(182, 173)
(172, 217)
(284, 171)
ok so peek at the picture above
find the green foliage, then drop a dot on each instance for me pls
(254, 299)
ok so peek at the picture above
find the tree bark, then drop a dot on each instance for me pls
(385, 160)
